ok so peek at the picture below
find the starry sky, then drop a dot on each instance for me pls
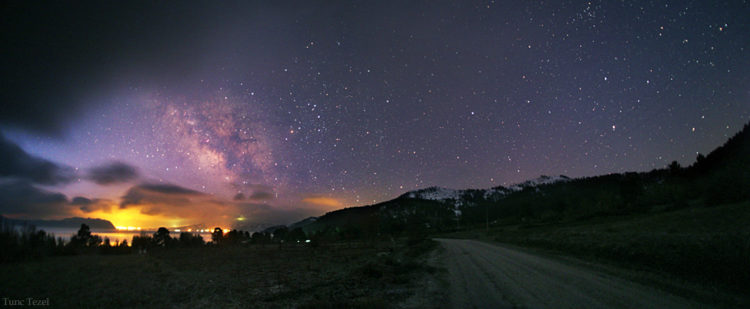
(260, 113)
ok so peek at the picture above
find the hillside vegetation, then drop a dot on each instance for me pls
(690, 222)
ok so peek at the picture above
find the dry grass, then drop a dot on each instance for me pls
(271, 276)
(702, 245)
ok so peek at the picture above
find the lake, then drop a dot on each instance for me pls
(114, 236)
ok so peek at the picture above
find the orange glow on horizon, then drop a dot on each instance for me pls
(322, 201)
(128, 228)
(131, 219)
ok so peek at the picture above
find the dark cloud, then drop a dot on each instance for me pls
(261, 214)
(169, 189)
(259, 192)
(114, 172)
(90, 205)
(44, 51)
(21, 199)
(261, 195)
(152, 210)
(80, 201)
(59, 57)
(162, 194)
(239, 197)
(175, 201)
(56, 53)
(19, 164)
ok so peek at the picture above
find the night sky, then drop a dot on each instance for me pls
(234, 113)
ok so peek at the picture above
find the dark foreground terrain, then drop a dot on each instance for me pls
(699, 253)
(351, 274)
(485, 275)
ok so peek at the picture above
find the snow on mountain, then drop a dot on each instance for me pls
(435, 194)
(496, 193)
(542, 180)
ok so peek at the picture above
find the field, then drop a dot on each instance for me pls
(699, 251)
(385, 274)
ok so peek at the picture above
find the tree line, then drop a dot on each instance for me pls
(25, 242)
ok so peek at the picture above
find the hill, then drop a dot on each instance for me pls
(73, 223)
(720, 177)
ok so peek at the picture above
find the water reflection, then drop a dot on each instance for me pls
(115, 236)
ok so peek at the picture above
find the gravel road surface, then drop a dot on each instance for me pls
(484, 275)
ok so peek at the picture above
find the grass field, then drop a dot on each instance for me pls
(707, 246)
(271, 276)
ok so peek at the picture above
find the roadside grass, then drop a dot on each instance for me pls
(709, 246)
(334, 275)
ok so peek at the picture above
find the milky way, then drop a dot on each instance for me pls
(301, 108)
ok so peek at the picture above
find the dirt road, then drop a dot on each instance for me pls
(484, 275)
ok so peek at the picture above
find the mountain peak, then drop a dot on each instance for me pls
(434, 193)
(541, 180)
(443, 194)
(73, 222)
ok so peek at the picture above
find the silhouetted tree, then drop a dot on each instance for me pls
(280, 234)
(727, 187)
(260, 238)
(142, 242)
(631, 189)
(674, 168)
(190, 240)
(116, 248)
(217, 235)
(84, 238)
(161, 237)
(700, 158)
(700, 165)
(236, 237)
(232, 237)
(25, 242)
(296, 235)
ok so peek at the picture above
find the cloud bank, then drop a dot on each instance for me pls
(20, 199)
(112, 173)
(18, 164)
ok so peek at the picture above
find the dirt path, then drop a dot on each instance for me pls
(483, 275)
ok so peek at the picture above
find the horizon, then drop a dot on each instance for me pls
(178, 229)
(271, 113)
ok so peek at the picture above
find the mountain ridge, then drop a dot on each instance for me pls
(72, 222)
(719, 177)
